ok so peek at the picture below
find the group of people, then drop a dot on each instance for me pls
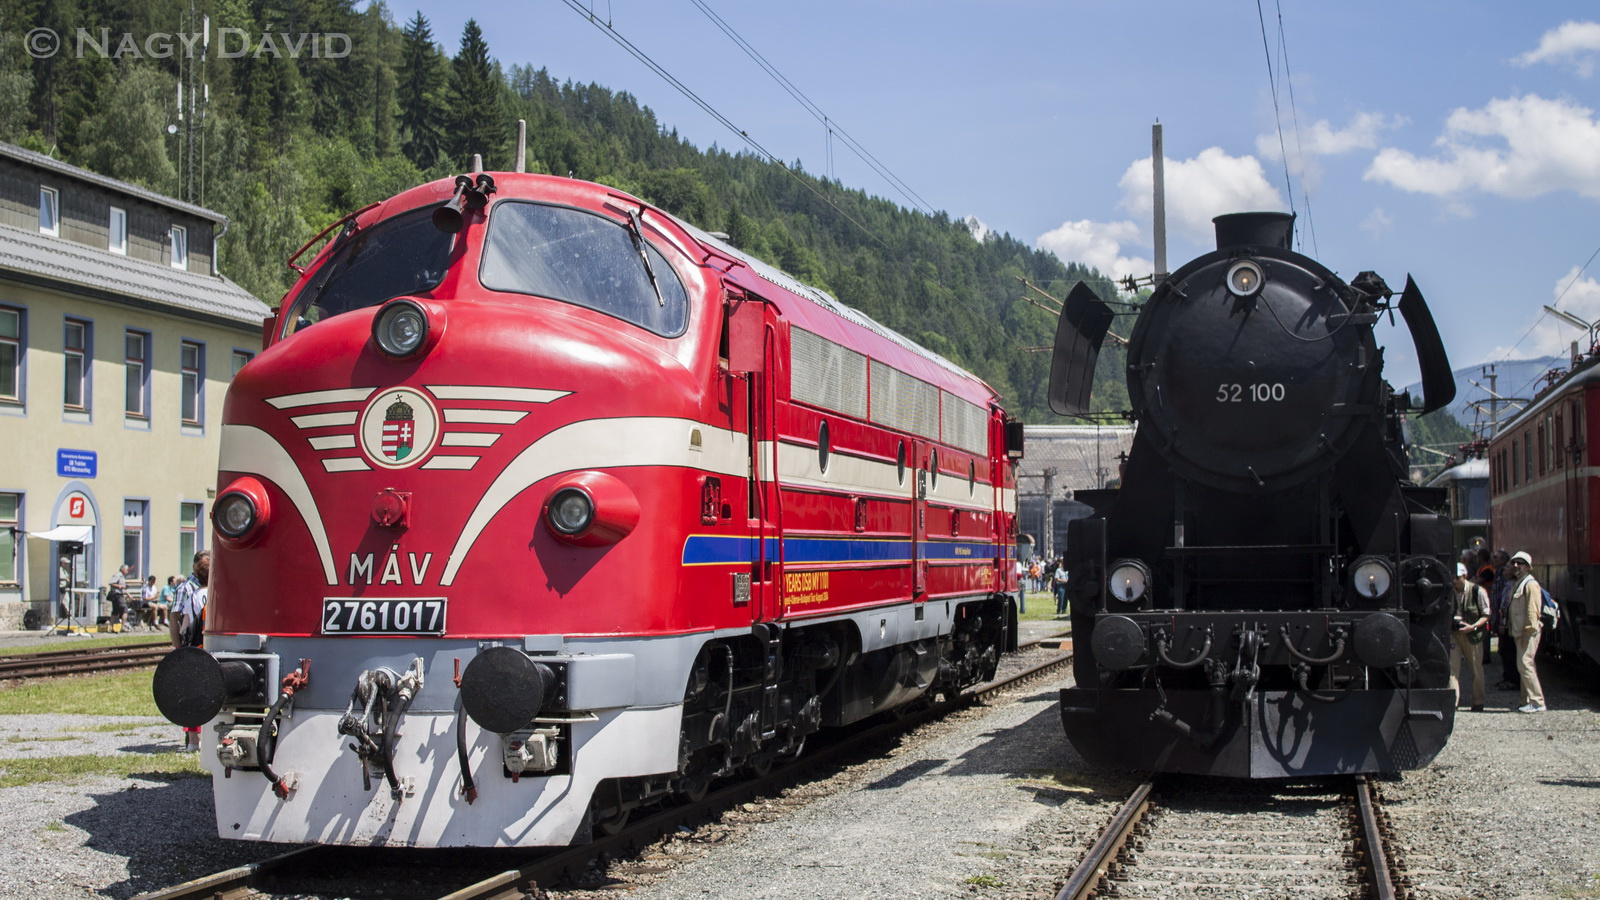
(1041, 572)
(179, 607)
(1496, 593)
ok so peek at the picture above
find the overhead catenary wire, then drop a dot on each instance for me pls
(1294, 113)
(1559, 297)
(1272, 83)
(831, 126)
(611, 32)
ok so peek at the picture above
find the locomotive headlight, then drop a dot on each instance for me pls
(591, 509)
(241, 512)
(400, 328)
(1371, 577)
(571, 511)
(1129, 580)
(1244, 279)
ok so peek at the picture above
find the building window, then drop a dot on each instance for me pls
(240, 357)
(133, 514)
(117, 231)
(180, 247)
(137, 363)
(188, 535)
(75, 353)
(10, 525)
(49, 211)
(10, 355)
(193, 364)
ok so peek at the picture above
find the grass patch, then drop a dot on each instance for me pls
(54, 644)
(56, 826)
(125, 728)
(112, 694)
(985, 881)
(17, 772)
(19, 739)
(1041, 607)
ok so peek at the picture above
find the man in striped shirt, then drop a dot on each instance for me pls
(190, 603)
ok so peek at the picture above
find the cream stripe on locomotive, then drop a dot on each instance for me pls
(251, 451)
(494, 392)
(604, 444)
(315, 398)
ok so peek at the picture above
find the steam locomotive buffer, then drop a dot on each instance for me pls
(1266, 595)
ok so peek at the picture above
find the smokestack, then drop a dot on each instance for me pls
(522, 145)
(1255, 229)
(1158, 163)
(477, 162)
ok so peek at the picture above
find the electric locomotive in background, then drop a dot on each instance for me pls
(540, 504)
(1266, 594)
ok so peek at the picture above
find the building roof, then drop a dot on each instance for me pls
(1085, 457)
(61, 264)
(49, 164)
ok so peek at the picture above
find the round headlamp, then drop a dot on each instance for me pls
(400, 328)
(241, 512)
(571, 510)
(234, 514)
(1244, 279)
(1129, 580)
(1371, 577)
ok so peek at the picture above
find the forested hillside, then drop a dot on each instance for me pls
(292, 142)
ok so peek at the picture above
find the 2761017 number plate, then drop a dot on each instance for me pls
(411, 615)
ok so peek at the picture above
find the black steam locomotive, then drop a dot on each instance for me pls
(1265, 595)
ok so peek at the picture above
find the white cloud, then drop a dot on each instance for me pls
(1322, 139)
(1574, 44)
(1378, 222)
(1519, 147)
(1198, 189)
(1098, 244)
(1550, 335)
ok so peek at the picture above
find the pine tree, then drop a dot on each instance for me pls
(419, 95)
(477, 123)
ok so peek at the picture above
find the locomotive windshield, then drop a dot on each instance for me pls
(402, 255)
(581, 258)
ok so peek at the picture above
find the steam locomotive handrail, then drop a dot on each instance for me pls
(1163, 642)
(1288, 644)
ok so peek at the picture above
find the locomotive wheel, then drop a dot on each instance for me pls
(760, 763)
(614, 822)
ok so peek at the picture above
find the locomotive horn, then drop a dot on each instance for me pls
(450, 217)
(1084, 321)
(1438, 382)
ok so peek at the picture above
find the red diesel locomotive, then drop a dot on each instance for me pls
(540, 504)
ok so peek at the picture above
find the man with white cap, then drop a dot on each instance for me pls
(1471, 614)
(1527, 599)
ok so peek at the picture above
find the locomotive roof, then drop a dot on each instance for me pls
(1588, 371)
(826, 301)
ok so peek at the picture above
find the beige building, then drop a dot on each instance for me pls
(118, 338)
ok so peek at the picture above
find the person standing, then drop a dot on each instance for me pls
(1500, 621)
(184, 623)
(1527, 599)
(1471, 614)
(1058, 582)
(1022, 587)
(118, 595)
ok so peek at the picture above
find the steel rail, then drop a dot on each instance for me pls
(1377, 874)
(1085, 879)
(83, 661)
(235, 883)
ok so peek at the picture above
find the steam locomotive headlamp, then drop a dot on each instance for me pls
(1371, 577)
(1245, 279)
(1129, 580)
(241, 512)
(405, 327)
(590, 509)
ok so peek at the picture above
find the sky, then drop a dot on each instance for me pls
(1458, 142)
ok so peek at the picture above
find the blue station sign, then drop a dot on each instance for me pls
(77, 463)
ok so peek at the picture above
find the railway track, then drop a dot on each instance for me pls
(526, 873)
(1324, 838)
(82, 661)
